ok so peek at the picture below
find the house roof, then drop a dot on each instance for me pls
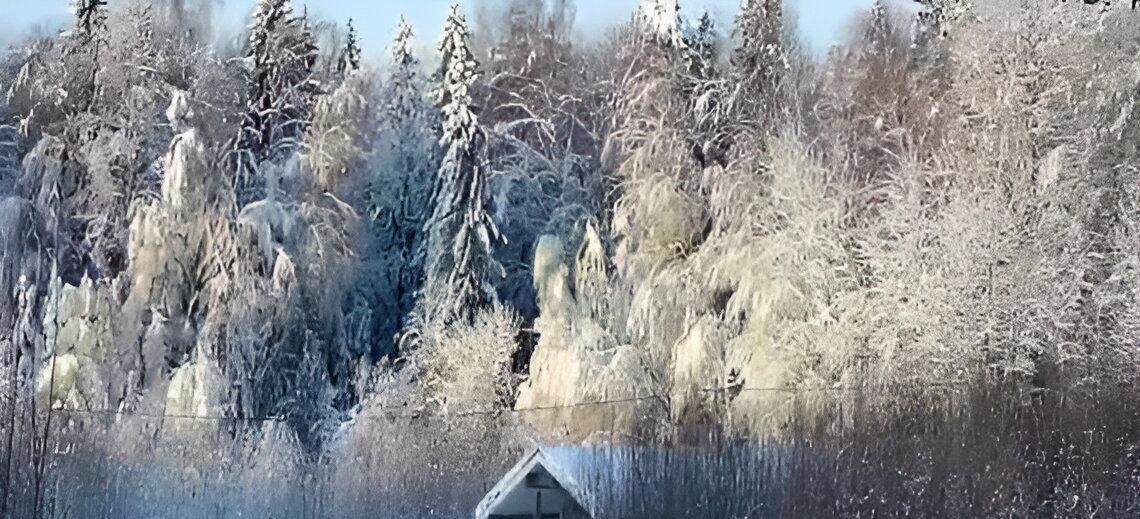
(537, 459)
(627, 481)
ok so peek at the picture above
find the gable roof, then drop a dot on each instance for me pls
(517, 475)
(730, 480)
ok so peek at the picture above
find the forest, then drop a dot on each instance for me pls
(338, 282)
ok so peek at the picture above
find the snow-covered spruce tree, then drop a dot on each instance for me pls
(81, 53)
(280, 56)
(703, 44)
(878, 33)
(9, 151)
(400, 193)
(662, 19)
(145, 51)
(461, 233)
(711, 133)
(349, 59)
(938, 18)
(90, 20)
(760, 60)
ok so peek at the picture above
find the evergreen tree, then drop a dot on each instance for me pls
(90, 18)
(399, 195)
(405, 102)
(280, 55)
(82, 50)
(267, 16)
(702, 44)
(9, 152)
(410, 131)
(461, 233)
(878, 33)
(760, 60)
(938, 17)
(350, 57)
(144, 50)
(710, 138)
(661, 19)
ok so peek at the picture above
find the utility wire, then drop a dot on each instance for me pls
(496, 412)
(215, 418)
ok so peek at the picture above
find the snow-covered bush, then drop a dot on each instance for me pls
(468, 366)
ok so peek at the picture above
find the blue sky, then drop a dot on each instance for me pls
(821, 21)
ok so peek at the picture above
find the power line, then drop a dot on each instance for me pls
(154, 416)
(496, 412)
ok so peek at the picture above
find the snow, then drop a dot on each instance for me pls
(662, 18)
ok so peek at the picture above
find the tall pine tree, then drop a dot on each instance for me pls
(400, 193)
(702, 43)
(280, 57)
(878, 34)
(350, 56)
(937, 18)
(460, 264)
(760, 60)
(403, 199)
(661, 19)
(90, 18)
(81, 53)
(144, 48)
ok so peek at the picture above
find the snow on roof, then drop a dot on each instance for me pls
(626, 481)
(537, 459)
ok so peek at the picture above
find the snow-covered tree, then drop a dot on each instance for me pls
(531, 73)
(703, 43)
(760, 59)
(399, 193)
(872, 94)
(9, 152)
(89, 35)
(349, 59)
(405, 96)
(878, 32)
(662, 20)
(267, 16)
(460, 261)
(706, 90)
(539, 99)
(341, 131)
(937, 18)
(144, 46)
(85, 43)
(90, 18)
(280, 57)
(534, 38)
